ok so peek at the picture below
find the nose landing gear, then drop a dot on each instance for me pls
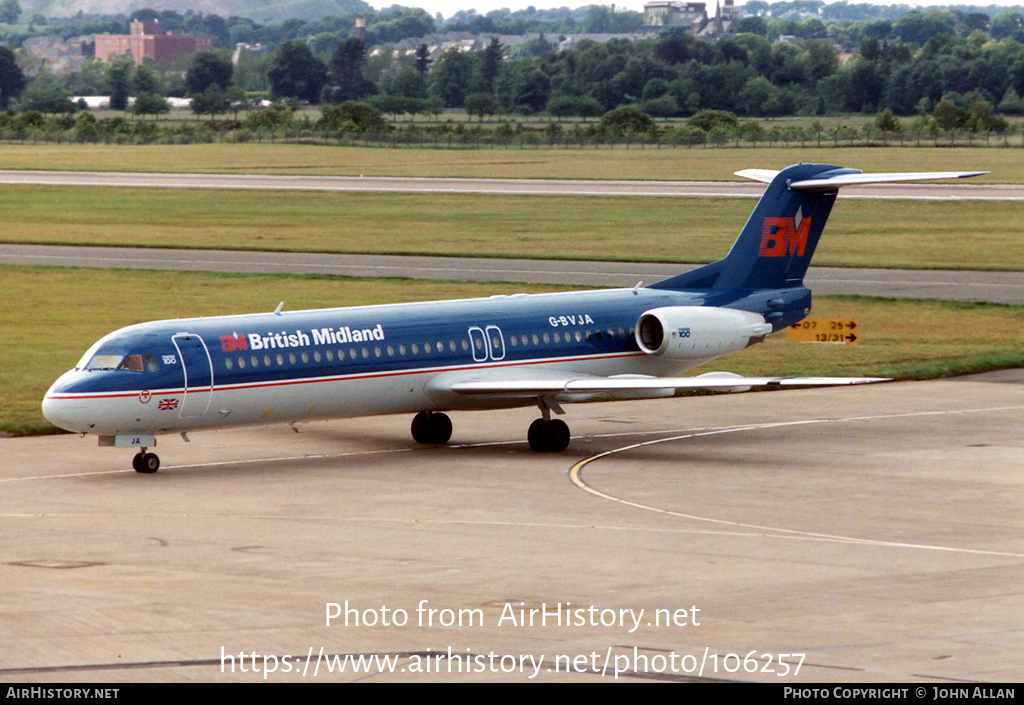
(145, 462)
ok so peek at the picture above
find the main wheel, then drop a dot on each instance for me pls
(557, 433)
(439, 428)
(548, 436)
(535, 436)
(419, 427)
(431, 427)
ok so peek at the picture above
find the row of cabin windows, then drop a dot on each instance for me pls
(377, 351)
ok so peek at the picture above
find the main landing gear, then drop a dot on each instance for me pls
(548, 436)
(545, 434)
(431, 427)
(146, 462)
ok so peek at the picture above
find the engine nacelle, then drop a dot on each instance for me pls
(693, 332)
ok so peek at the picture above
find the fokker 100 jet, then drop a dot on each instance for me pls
(425, 359)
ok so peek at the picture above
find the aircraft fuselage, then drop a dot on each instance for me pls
(191, 374)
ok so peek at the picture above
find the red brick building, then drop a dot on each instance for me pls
(150, 39)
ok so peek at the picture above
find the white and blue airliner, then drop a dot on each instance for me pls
(183, 375)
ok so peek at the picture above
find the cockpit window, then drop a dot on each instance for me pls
(130, 363)
(104, 362)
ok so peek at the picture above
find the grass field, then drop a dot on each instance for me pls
(904, 234)
(48, 331)
(633, 164)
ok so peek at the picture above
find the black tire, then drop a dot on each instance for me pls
(419, 427)
(431, 427)
(556, 435)
(535, 436)
(146, 463)
(439, 428)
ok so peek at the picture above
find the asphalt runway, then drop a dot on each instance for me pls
(857, 535)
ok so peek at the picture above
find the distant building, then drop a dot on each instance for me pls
(150, 39)
(726, 16)
(56, 55)
(671, 13)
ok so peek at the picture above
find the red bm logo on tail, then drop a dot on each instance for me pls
(781, 237)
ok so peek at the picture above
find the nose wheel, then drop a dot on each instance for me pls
(146, 463)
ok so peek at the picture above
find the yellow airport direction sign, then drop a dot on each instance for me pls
(842, 331)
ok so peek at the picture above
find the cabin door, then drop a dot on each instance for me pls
(198, 367)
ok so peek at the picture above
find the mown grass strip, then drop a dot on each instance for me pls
(54, 314)
(893, 234)
(649, 163)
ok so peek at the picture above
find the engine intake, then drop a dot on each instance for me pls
(693, 332)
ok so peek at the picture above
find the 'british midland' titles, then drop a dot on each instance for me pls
(300, 339)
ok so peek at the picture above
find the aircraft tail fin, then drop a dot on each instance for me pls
(776, 245)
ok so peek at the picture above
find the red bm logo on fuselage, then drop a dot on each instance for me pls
(233, 343)
(780, 237)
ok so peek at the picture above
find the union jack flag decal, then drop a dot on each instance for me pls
(167, 404)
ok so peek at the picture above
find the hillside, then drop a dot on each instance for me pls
(259, 10)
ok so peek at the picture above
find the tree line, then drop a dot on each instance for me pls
(963, 64)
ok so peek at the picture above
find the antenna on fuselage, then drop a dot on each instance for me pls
(277, 311)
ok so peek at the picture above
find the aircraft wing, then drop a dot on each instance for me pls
(569, 383)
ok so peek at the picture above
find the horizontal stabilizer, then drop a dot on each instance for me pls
(849, 177)
(829, 182)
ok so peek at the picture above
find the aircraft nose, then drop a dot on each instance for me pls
(63, 409)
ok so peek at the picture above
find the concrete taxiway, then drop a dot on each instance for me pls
(866, 534)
